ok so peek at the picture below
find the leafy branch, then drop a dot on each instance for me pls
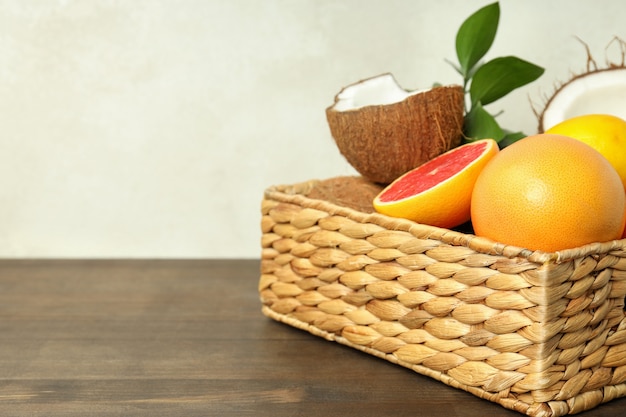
(484, 83)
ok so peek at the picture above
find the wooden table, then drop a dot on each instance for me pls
(187, 338)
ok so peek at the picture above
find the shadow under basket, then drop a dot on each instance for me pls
(540, 333)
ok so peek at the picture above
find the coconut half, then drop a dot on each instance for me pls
(384, 130)
(596, 90)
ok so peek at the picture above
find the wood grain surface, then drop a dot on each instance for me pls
(187, 338)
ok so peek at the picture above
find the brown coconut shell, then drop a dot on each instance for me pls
(382, 142)
(586, 81)
(354, 192)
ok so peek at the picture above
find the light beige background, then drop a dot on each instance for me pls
(150, 128)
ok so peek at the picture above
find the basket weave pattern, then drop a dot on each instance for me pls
(540, 333)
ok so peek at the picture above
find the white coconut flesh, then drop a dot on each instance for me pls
(381, 90)
(603, 91)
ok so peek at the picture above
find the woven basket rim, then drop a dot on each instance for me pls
(296, 194)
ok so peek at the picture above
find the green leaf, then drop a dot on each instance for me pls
(476, 35)
(479, 124)
(500, 76)
(510, 138)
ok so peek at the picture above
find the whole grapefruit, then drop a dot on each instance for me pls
(548, 192)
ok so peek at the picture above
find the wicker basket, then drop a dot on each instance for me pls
(540, 333)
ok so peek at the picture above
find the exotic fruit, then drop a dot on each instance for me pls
(597, 90)
(384, 131)
(548, 192)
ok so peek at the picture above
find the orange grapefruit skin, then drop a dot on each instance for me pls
(439, 192)
(548, 192)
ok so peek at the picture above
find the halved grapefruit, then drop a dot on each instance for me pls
(438, 192)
